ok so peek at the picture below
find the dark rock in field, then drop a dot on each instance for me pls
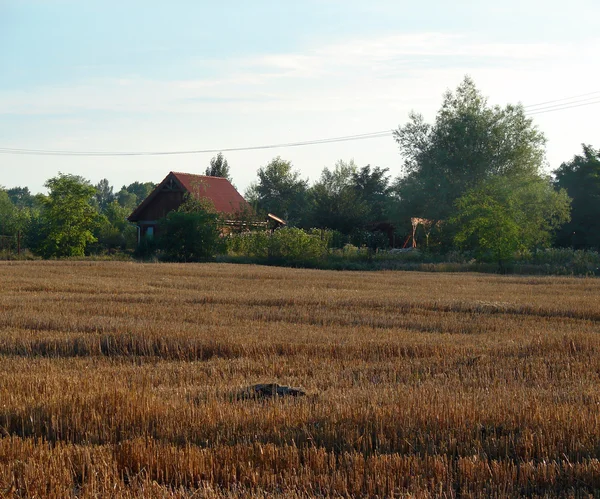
(269, 390)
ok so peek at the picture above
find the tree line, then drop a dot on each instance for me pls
(75, 218)
(476, 173)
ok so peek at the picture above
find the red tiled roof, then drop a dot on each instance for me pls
(217, 189)
(224, 196)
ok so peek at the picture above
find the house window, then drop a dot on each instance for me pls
(150, 232)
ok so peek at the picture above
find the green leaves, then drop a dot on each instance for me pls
(468, 143)
(581, 179)
(68, 217)
(219, 167)
(190, 234)
(503, 215)
(280, 191)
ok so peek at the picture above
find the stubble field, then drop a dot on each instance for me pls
(119, 380)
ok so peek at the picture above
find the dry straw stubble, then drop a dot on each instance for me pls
(116, 378)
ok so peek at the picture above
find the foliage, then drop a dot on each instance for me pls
(21, 197)
(287, 244)
(14, 218)
(7, 214)
(347, 198)
(68, 218)
(140, 189)
(219, 167)
(487, 225)
(332, 238)
(337, 204)
(190, 234)
(104, 194)
(114, 231)
(504, 215)
(280, 190)
(372, 240)
(580, 177)
(469, 143)
(563, 261)
(290, 243)
(127, 199)
(372, 187)
(193, 204)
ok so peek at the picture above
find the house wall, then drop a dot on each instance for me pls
(163, 203)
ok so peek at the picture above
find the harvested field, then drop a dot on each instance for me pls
(119, 379)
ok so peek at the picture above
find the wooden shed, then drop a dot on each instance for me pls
(170, 193)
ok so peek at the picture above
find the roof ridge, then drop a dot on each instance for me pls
(198, 175)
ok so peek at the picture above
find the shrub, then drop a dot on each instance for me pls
(296, 244)
(288, 244)
(189, 236)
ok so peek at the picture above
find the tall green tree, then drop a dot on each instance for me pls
(8, 215)
(469, 142)
(506, 214)
(336, 199)
(113, 231)
(21, 197)
(14, 218)
(140, 189)
(68, 216)
(580, 177)
(372, 187)
(280, 190)
(104, 194)
(219, 167)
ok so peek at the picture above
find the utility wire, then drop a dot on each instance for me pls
(587, 99)
(561, 107)
(46, 152)
(596, 93)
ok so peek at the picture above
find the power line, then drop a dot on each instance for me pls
(561, 107)
(596, 93)
(47, 152)
(586, 99)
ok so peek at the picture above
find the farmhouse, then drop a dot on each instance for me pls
(170, 193)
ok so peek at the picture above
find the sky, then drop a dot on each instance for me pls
(154, 76)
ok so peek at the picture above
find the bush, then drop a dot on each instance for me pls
(563, 260)
(296, 244)
(189, 236)
(250, 244)
(287, 244)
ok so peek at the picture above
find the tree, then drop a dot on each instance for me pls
(21, 197)
(337, 202)
(280, 191)
(7, 214)
(218, 167)
(506, 214)
(468, 143)
(191, 233)
(372, 187)
(140, 189)
(126, 199)
(113, 230)
(14, 219)
(104, 194)
(580, 177)
(68, 216)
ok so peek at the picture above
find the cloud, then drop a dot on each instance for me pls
(394, 70)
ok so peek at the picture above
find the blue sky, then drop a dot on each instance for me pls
(161, 76)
